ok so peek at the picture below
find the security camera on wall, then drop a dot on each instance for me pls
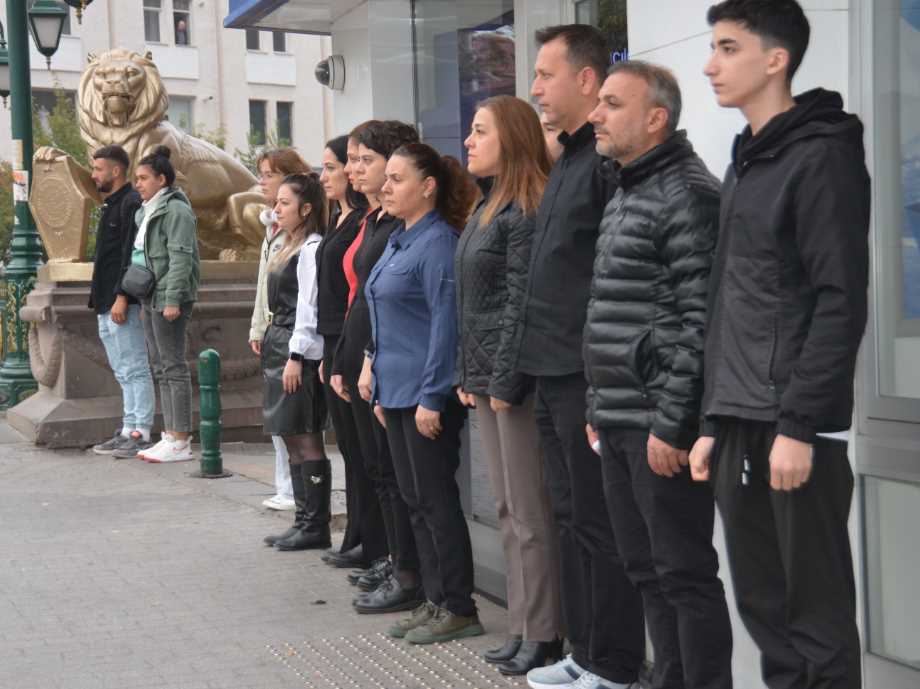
(331, 72)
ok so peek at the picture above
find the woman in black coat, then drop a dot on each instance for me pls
(506, 144)
(365, 539)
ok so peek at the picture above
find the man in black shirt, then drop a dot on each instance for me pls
(787, 309)
(118, 315)
(601, 609)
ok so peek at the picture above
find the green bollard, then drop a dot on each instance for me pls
(212, 464)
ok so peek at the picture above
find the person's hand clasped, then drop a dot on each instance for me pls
(292, 376)
(428, 422)
(700, 456)
(663, 459)
(790, 463)
(337, 383)
(594, 440)
(466, 399)
(366, 380)
(171, 313)
(498, 405)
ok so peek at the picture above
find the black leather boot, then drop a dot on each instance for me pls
(317, 486)
(300, 509)
(505, 652)
(531, 654)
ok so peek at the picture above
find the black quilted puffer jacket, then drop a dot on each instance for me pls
(643, 340)
(491, 272)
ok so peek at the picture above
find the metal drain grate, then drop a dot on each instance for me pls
(379, 662)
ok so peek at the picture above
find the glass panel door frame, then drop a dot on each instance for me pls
(887, 438)
(876, 412)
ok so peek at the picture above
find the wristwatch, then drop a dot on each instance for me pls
(295, 356)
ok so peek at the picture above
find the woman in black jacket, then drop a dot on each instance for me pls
(394, 583)
(507, 144)
(365, 538)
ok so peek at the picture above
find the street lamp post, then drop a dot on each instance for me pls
(16, 380)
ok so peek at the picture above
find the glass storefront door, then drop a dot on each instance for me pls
(464, 53)
(888, 447)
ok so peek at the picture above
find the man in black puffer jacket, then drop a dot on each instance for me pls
(643, 350)
(787, 311)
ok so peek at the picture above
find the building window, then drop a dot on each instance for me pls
(284, 112)
(252, 39)
(152, 20)
(180, 113)
(181, 21)
(257, 128)
(279, 41)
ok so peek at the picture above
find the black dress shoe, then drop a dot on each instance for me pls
(389, 597)
(506, 652)
(531, 654)
(356, 574)
(377, 574)
(350, 559)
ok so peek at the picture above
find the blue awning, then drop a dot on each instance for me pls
(293, 16)
(245, 14)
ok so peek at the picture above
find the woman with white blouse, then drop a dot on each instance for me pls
(292, 349)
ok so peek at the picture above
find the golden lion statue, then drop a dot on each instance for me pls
(122, 101)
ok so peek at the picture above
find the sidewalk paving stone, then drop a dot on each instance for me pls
(118, 573)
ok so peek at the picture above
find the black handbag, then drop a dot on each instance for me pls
(138, 282)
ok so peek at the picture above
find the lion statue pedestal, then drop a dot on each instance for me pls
(78, 402)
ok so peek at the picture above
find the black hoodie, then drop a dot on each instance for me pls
(787, 302)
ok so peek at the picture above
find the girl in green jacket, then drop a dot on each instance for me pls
(167, 244)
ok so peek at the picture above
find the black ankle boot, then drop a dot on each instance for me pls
(530, 655)
(505, 652)
(300, 508)
(317, 486)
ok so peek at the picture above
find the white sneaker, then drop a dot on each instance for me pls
(279, 502)
(158, 447)
(174, 451)
(591, 681)
(561, 675)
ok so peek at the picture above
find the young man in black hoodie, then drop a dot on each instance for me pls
(787, 309)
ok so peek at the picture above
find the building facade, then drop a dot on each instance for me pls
(222, 84)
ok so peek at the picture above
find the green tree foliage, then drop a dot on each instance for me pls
(59, 128)
(6, 206)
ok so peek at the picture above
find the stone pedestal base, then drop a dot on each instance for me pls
(79, 403)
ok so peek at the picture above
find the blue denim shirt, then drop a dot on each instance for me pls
(411, 295)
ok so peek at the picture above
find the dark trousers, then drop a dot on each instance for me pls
(365, 523)
(790, 559)
(663, 528)
(601, 609)
(378, 466)
(425, 469)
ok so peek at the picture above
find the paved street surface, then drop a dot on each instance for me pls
(121, 574)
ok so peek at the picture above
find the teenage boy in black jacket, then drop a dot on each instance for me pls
(787, 310)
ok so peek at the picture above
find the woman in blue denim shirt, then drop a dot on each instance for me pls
(411, 298)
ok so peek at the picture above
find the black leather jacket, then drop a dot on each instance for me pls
(643, 340)
(491, 272)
